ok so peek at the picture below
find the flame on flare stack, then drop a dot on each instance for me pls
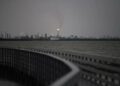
(58, 31)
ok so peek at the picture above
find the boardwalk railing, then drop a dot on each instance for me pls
(36, 69)
(101, 70)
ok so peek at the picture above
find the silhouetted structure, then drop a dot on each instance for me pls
(7, 36)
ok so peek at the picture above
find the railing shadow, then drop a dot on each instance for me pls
(31, 68)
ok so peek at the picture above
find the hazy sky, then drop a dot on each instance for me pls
(80, 17)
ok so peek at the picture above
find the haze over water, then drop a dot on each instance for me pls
(88, 18)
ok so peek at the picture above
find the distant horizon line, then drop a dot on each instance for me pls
(60, 39)
(38, 35)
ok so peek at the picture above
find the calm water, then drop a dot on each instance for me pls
(108, 48)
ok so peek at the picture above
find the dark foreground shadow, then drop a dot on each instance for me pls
(18, 77)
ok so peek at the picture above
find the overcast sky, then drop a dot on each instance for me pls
(94, 18)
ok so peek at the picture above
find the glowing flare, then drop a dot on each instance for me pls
(58, 29)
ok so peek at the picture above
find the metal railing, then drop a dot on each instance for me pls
(39, 68)
(101, 70)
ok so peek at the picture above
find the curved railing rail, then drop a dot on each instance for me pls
(101, 70)
(40, 69)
